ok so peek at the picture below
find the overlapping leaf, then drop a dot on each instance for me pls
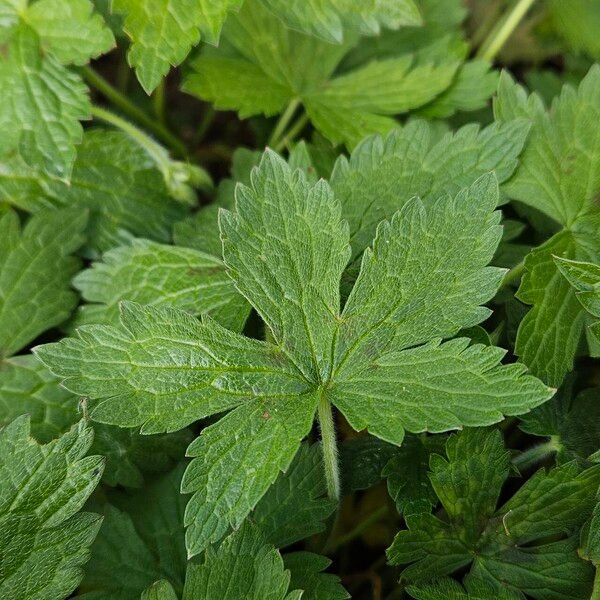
(159, 275)
(36, 267)
(558, 176)
(507, 547)
(286, 247)
(261, 67)
(44, 539)
(43, 100)
(113, 178)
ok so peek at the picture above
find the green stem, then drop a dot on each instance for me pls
(329, 445)
(514, 274)
(292, 133)
(154, 149)
(205, 123)
(131, 110)
(497, 38)
(531, 457)
(282, 123)
(159, 100)
(372, 518)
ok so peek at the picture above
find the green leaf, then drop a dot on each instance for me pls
(229, 479)
(362, 460)
(261, 67)
(558, 176)
(265, 257)
(244, 566)
(163, 369)
(36, 268)
(141, 541)
(306, 570)
(585, 279)
(42, 105)
(45, 540)
(558, 172)
(159, 275)
(329, 19)
(295, 507)
(578, 24)
(570, 420)
(70, 29)
(163, 32)
(511, 547)
(285, 247)
(160, 590)
(27, 387)
(449, 589)
(113, 178)
(407, 475)
(382, 175)
(550, 333)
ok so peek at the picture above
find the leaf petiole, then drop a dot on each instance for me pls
(329, 445)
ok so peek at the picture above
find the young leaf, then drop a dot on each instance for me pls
(263, 67)
(159, 275)
(45, 540)
(498, 543)
(36, 268)
(285, 247)
(558, 176)
(136, 201)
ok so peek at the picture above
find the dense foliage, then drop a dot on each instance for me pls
(299, 299)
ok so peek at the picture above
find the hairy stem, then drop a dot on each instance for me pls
(282, 123)
(536, 454)
(132, 111)
(497, 38)
(329, 445)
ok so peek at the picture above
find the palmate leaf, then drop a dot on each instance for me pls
(36, 266)
(450, 589)
(498, 543)
(286, 247)
(558, 176)
(159, 275)
(261, 66)
(44, 539)
(134, 202)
